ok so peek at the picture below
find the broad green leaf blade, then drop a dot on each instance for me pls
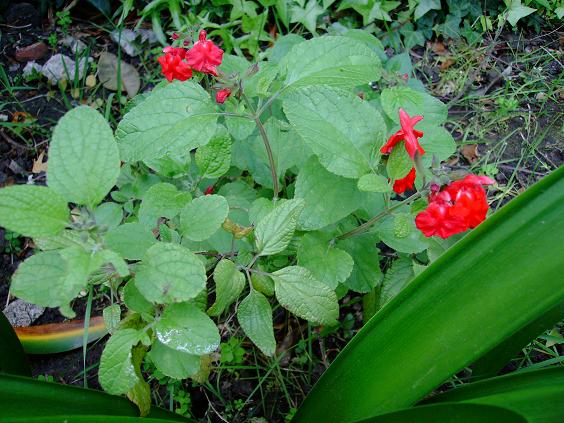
(366, 273)
(328, 264)
(176, 118)
(491, 284)
(112, 317)
(140, 393)
(203, 216)
(214, 158)
(186, 328)
(170, 273)
(54, 399)
(396, 278)
(255, 317)
(299, 292)
(337, 61)
(161, 200)
(537, 394)
(33, 211)
(340, 128)
(372, 182)
(83, 157)
(117, 374)
(173, 363)
(229, 283)
(328, 197)
(130, 240)
(12, 357)
(494, 360)
(450, 413)
(135, 301)
(109, 214)
(275, 230)
(407, 240)
(518, 11)
(399, 163)
(414, 103)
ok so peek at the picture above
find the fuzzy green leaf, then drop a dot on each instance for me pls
(161, 200)
(299, 292)
(186, 328)
(130, 240)
(255, 317)
(33, 211)
(372, 182)
(214, 158)
(117, 374)
(202, 217)
(173, 363)
(229, 283)
(414, 103)
(170, 273)
(275, 231)
(83, 157)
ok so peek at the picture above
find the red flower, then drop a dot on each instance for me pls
(209, 190)
(175, 36)
(403, 184)
(205, 55)
(173, 65)
(406, 133)
(222, 95)
(461, 205)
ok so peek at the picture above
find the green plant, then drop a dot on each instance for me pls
(466, 313)
(232, 351)
(64, 21)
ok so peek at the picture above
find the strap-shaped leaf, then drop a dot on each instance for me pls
(537, 394)
(484, 289)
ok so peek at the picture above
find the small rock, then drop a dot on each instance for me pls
(130, 41)
(30, 67)
(60, 67)
(34, 51)
(76, 45)
(20, 313)
(13, 67)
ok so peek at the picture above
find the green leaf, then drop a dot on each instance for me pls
(299, 292)
(46, 279)
(135, 301)
(109, 214)
(426, 5)
(33, 211)
(399, 162)
(307, 15)
(335, 61)
(202, 217)
(170, 273)
(229, 283)
(327, 264)
(173, 363)
(171, 165)
(408, 240)
(518, 11)
(449, 413)
(112, 317)
(328, 197)
(372, 182)
(117, 374)
(130, 240)
(337, 126)
(186, 328)
(140, 393)
(500, 291)
(366, 273)
(214, 159)
(414, 103)
(262, 283)
(255, 317)
(275, 231)
(436, 141)
(536, 395)
(161, 200)
(396, 278)
(176, 118)
(83, 157)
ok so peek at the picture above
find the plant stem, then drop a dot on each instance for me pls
(362, 228)
(264, 136)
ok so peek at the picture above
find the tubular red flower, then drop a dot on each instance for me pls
(408, 134)
(222, 95)
(173, 66)
(204, 56)
(209, 190)
(402, 185)
(461, 205)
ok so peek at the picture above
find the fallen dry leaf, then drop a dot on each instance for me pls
(108, 74)
(447, 63)
(470, 152)
(38, 164)
(439, 48)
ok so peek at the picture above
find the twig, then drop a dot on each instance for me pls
(12, 142)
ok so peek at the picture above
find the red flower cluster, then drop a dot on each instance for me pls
(222, 95)
(460, 206)
(410, 136)
(178, 63)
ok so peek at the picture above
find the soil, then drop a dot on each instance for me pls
(24, 27)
